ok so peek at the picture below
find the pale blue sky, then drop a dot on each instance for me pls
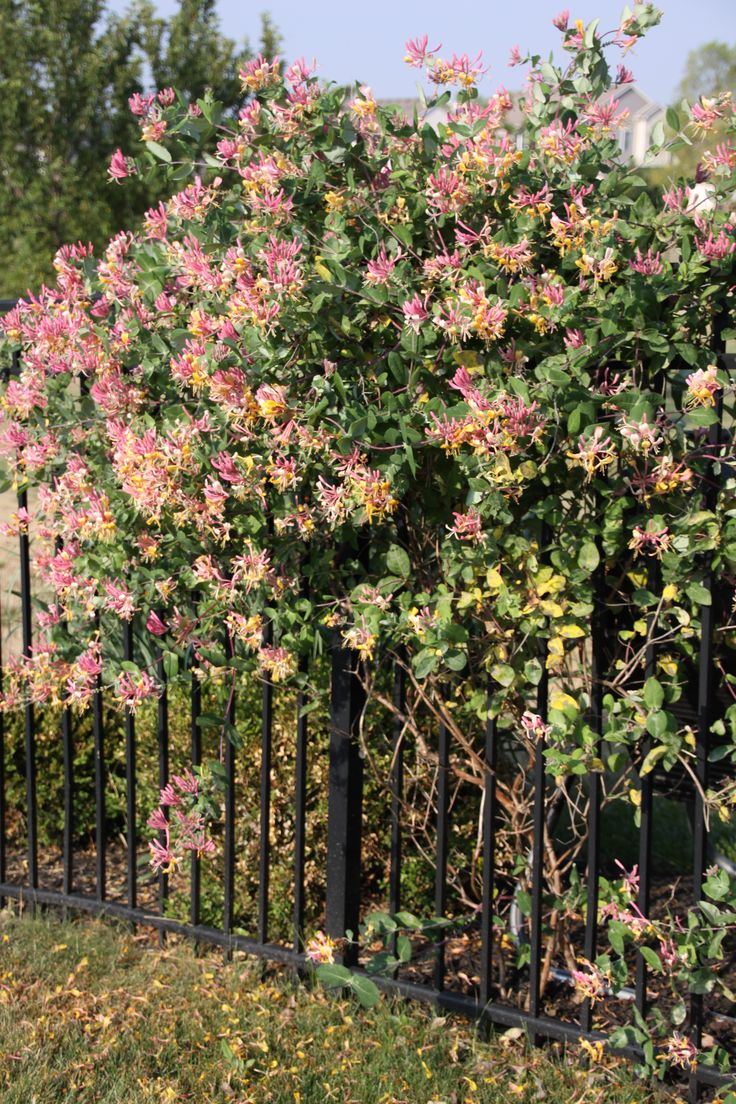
(364, 39)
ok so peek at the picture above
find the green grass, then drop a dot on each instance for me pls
(94, 1014)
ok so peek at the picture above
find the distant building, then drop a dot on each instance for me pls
(634, 135)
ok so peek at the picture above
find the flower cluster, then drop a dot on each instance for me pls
(418, 387)
(181, 823)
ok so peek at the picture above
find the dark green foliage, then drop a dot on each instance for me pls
(67, 70)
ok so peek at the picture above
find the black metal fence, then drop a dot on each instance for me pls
(343, 899)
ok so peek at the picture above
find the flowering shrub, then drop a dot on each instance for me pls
(427, 389)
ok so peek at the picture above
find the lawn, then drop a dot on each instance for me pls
(93, 1013)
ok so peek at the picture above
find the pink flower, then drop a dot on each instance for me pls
(702, 387)
(417, 51)
(133, 689)
(681, 1052)
(630, 878)
(120, 600)
(121, 166)
(158, 821)
(650, 541)
(463, 383)
(467, 527)
(590, 982)
(675, 199)
(187, 782)
(594, 453)
(155, 625)
(534, 726)
(260, 73)
(169, 796)
(275, 662)
(321, 949)
(641, 436)
(271, 401)
(514, 56)
(379, 271)
(560, 21)
(715, 249)
(162, 857)
(415, 312)
(651, 265)
(140, 105)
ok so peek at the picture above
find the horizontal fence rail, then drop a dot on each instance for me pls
(341, 761)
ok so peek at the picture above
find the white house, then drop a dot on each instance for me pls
(634, 135)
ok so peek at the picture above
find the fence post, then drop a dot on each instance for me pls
(345, 799)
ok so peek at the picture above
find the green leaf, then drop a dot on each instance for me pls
(653, 694)
(209, 720)
(503, 673)
(171, 664)
(705, 416)
(652, 757)
(396, 368)
(424, 662)
(699, 594)
(334, 976)
(673, 119)
(588, 556)
(159, 152)
(617, 933)
(657, 724)
(589, 37)
(408, 920)
(657, 137)
(365, 990)
(403, 948)
(397, 561)
(455, 660)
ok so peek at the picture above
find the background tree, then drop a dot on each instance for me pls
(66, 73)
(709, 69)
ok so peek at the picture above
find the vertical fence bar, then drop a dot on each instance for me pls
(229, 841)
(300, 809)
(345, 801)
(29, 718)
(646, 809)
(706, 701)
(539, 812)
(597, 671)
(196, 743)
(264, 868)
(490, 816)
(440, 878)
(162, 733)
(98, 736)
(5, 374)
(3, 857)
(67, 739)
(538, 826)
(397, 789)
(130, 779)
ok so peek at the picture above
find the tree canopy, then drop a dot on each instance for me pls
(67, 72)
(709, 69)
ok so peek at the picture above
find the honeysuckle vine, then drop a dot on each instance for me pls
(419, 387)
